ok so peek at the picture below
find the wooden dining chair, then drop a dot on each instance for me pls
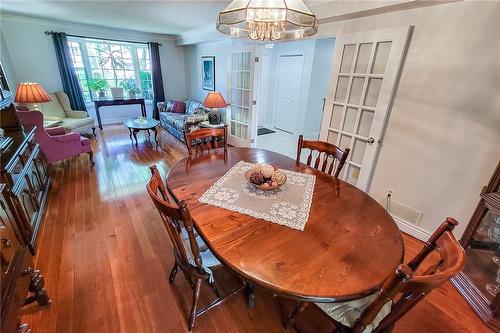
(206, 139)
(410, 283)
(327, 152)
(191, 254)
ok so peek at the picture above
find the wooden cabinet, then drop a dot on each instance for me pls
(25, 174)
(479, 281)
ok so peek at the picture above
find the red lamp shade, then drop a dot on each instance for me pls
(215, 100)
(29, 92)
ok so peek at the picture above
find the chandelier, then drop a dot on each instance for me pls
(267, 19)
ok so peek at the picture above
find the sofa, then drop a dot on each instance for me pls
(59, 111)
(176, 123)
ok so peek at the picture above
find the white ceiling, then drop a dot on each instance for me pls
(165, 17)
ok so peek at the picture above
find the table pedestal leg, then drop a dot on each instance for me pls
(135, 136)
(156, 134)
(291, 318)
(130, 134)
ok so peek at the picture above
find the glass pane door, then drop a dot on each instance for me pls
(365, 69)
(241, 98)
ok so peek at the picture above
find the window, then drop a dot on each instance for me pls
(118, 63)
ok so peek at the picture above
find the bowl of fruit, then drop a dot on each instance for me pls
(265, 177)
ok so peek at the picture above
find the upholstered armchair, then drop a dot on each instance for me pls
(59, 109)
(55, 143)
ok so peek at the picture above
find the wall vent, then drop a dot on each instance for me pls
(403, 212)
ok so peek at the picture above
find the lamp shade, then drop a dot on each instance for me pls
(29, 92)
(214, 100)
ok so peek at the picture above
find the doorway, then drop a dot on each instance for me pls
(293, 83)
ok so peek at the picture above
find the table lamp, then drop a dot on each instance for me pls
(31, 93)
(214, 100)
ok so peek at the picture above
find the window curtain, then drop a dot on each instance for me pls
(157, 79)
(71, 86)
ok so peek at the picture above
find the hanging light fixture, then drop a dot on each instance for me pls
(267, 20)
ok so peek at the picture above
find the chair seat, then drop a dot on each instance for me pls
(71, 124)
(207, 257)
(346, 313)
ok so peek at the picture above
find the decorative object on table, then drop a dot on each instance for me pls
(99, 86)
(140, 120)
(213, 101)
(131, 88)
(135, 125)
(265, 177)
(288, 204)
(267, 20)
(481, 240)
(208, 73)
(117, 92)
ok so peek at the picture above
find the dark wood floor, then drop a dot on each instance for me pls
(106, 256)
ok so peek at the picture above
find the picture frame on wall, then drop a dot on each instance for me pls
(208, 73)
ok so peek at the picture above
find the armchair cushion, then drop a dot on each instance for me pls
(59, 130)
(67, 137)
(71, 124)
(76, 114)
(346, 313)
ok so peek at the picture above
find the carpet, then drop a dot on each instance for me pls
(264, 131)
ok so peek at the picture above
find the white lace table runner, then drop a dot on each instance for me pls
(289, 205)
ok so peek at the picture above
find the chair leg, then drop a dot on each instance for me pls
(214, 288)
(93, 131)
(173, 273)
(196, 295)
(291, 317)
(91, 156)
(251, 296)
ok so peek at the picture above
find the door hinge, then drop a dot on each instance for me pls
(256, 59)
(254, 102)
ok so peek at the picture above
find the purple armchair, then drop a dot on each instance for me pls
(55, 143)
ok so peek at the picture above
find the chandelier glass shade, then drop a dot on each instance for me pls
(267, 20)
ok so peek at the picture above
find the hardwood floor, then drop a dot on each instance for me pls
(106, 256)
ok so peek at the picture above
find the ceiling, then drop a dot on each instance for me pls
(164, 17)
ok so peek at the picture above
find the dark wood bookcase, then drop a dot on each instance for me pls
(479, 282)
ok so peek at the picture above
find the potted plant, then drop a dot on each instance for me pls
(131, 87)
(98, 85)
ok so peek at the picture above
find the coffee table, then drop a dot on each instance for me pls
(135, 125)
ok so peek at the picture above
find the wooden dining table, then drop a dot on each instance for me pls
(349, 245)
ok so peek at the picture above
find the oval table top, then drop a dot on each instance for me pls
(148, 123)
(349, 246)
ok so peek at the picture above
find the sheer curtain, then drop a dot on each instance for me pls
(158, 92)
(69, 79)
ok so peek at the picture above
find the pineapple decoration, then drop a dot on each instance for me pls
(266, 176)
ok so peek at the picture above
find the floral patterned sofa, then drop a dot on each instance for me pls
(176, 123)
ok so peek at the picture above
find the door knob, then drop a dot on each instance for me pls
(370, 140)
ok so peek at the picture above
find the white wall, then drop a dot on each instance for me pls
(443, 135)
(33, 55)
(222, 52)
(7, 64)
(318, 88)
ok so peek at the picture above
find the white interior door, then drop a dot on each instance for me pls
(365, 69)
(241, 97)
(290, 70)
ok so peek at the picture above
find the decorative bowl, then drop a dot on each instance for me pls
(262, 187)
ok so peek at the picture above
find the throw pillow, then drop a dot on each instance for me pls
(179, 107)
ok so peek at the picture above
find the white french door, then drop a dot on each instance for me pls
(241, 84)
(365, 69)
